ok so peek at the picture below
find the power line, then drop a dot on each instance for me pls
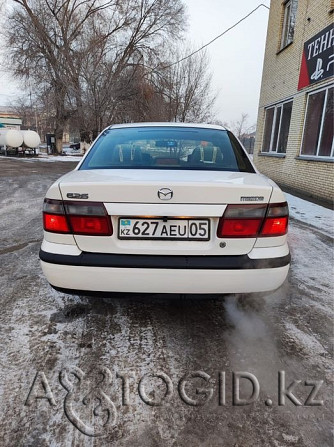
(217, 37)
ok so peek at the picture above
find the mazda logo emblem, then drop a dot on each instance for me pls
(165, 194)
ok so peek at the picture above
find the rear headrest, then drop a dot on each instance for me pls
(127, 154)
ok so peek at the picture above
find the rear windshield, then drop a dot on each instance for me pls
(187, 148)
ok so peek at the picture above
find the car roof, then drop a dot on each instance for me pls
(168, 124)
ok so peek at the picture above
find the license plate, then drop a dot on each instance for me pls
(162, 229)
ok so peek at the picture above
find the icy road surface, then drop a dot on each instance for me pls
(158, 371)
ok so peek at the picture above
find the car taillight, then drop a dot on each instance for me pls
(276, 221)
(54, 219)
(275, 226)
(90, 219)
(94, 226)
(240, 221)
(55, 223)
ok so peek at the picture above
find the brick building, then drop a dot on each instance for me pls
(294, 141)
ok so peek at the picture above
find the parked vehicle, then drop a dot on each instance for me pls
(165, 208)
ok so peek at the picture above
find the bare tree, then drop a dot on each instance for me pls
(41, 37)
(186, 87)
(112, 72)
(65, 45)
(91, 61)
(241, 126)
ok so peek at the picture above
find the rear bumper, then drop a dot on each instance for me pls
(240, 262)
(164, 274)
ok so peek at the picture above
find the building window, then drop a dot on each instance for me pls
(331, 9)
(276, 128)
(289, 21)
(318, 127)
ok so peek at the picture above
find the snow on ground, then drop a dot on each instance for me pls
(308, 342)
(43, 157)
(43, 330)
(48, 158)
(311, 214)
(313, 271)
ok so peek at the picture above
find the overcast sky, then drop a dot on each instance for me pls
(236, 58)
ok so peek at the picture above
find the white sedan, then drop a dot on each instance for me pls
(165, 208)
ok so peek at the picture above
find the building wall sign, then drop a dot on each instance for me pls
(318, 58)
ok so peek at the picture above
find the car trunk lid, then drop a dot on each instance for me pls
(189, 187)
(128, 193)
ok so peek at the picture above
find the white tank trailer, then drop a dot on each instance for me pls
(17, 138)
(11, 137)
(30, 138)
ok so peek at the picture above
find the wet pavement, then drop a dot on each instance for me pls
(158, 370)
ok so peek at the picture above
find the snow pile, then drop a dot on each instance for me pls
(46, 158)
(59, 158)
(308, 341)
(311, 214)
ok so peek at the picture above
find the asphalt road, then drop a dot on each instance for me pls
(157, 370)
